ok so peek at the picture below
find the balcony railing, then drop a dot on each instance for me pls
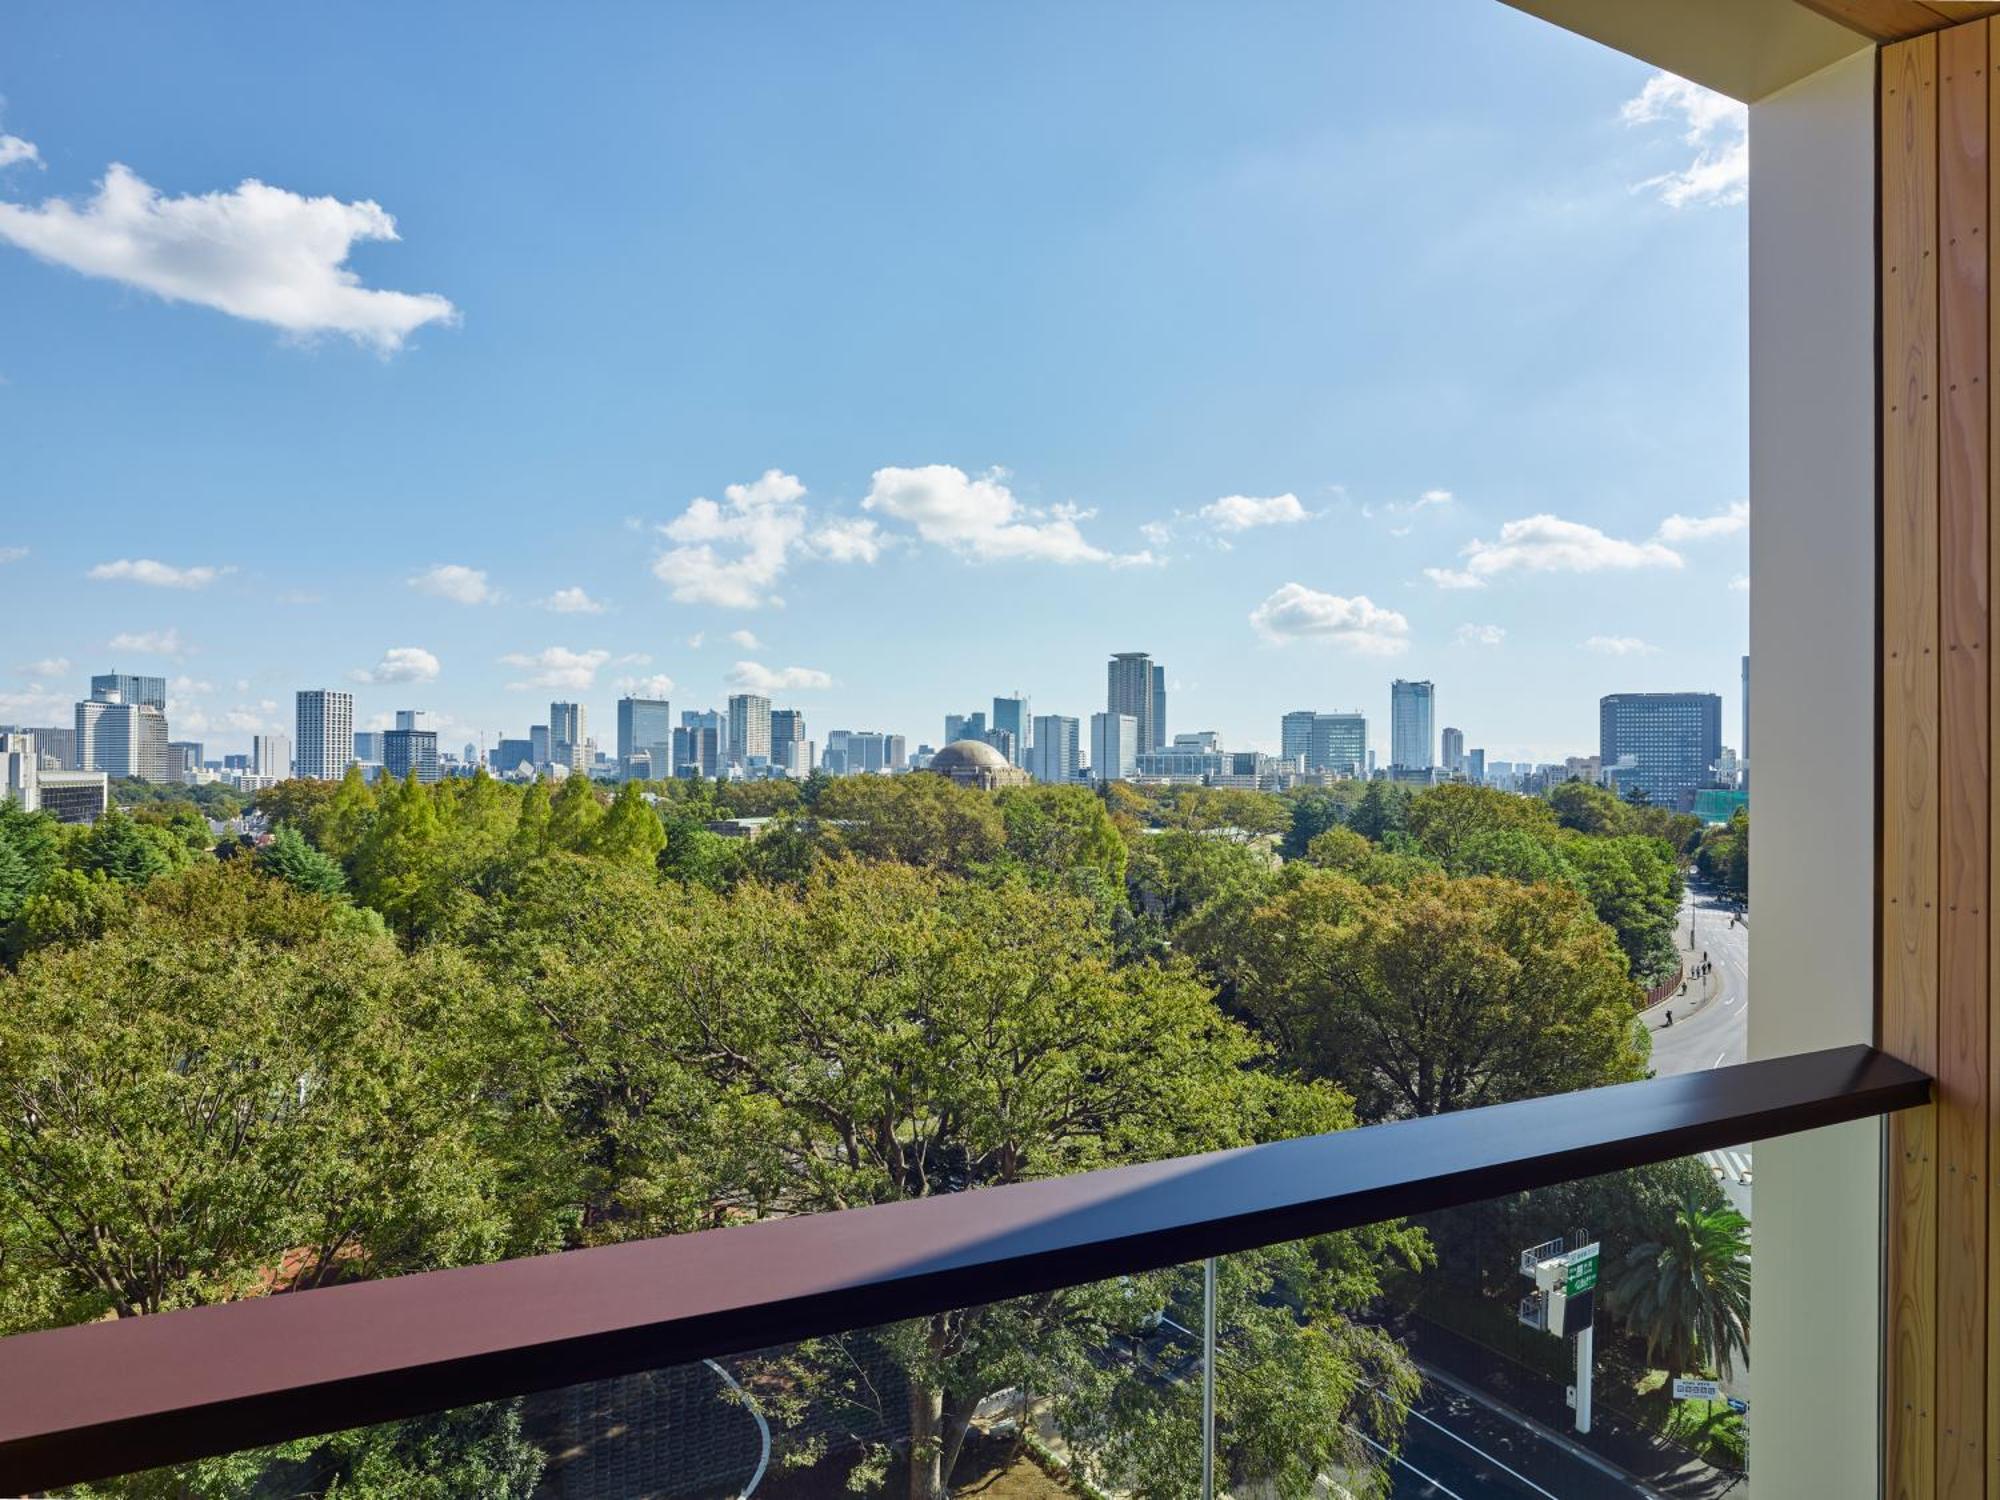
(106, 1398)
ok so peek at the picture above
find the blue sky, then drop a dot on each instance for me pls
(890, 356)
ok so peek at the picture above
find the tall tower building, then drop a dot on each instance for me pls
(1454, 751)
(569, 728)
(151, 691)
(1159, 708)
(1672, 739)
(1011, 714)
(323, 733)
(271, 755)
(1114, 746)
(1132, 683)
(749, 727)
(1057, 753)
(407, 750)
(1412, 742)
(646, 727)
(788, 741)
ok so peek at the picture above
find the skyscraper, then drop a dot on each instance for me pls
(1325, 742)
(749, 728)
(538, 744)
(271, 755)
(406, 718)
(964, 727)
(151, 691)
(1412, 744)
(1454, 751)
(788, 740)
(323, 738)
(368, 746)
(1131, 686)
(569, 728)
(1114, 745)
(1672, 738)
(1159, 707)
(1011, 714)
(1057, 753)
(646, 727)
(1475, 767)
(410, 750)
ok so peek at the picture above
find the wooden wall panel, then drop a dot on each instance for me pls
(1910, 764)
(1963, 760)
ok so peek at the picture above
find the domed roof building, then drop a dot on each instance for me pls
(976, 763)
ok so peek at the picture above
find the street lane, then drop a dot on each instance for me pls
(1454, 1446)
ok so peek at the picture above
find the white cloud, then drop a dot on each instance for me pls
(158, 574)
(1549, 544)
(1678, 528)
(747, 639)
(1296, 612)
(1241, 512)
(456, 582)
(557, 667)
(1158, 533)
(1740, 583)
(1619, 645)
(1480, 635)
(847, 539)
(48, 666)
(756, 527)
(1717, 127)
(572, 602)
(256, 252)
(980, 517)
(400, 664)
(12, 554)
(185, 684)
(754, 677)
(150, 642)
(659, 685)
(14, 151)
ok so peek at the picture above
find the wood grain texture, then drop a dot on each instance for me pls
(1910, 767)
(1894, 20)
(1964, 738)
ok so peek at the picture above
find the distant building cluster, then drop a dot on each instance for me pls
(1663, 748)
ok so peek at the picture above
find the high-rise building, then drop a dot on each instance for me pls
(1057, 753)
(788, 740)
(1453, 751)
(368, 746)
(271, 755)
(569, 733)
(1159, 706)
(56, 746)
(183, 759)
(1412, 743)
(1325, 742)
(646, 727)
(1114, 745)
(68, 796)
(323, 738)
(151, 691)
(405, 751)
(963, 727)
(1661, 743)
(121, 739)
(698, 746)
(510, 755)
(749, 728)
(1011, 714)
(1003, 740)
(1475, 767)
(1131, 687)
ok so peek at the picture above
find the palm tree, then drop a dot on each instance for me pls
(1687, 1291)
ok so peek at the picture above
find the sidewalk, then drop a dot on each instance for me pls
(1659, 1465)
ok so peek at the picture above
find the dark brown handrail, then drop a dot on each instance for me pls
(107, 1398)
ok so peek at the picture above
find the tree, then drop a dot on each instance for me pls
(1313, 811)
(1587, 808)
(630, 833)
(1438, 995)
(1634, 885)
(401, 866)
(1379, 812)
(280, 1111)
(574, 815)
(1448, 823)
(122, 850)
(1058, 833)
(531, 828)
(289, 857)
(915, 820)
(1687, 1292)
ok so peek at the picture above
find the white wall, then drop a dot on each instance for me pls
(1816, 1273)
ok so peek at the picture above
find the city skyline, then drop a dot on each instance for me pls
(1516, 468)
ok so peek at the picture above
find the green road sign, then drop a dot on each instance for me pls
(1580, 1275)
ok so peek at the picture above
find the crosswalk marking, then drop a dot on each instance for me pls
(1729, 1164)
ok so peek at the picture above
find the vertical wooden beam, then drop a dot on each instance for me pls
(1909, 813)
(1964, 739)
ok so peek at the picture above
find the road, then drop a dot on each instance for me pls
(1709, 1032)
(1456, 1448)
